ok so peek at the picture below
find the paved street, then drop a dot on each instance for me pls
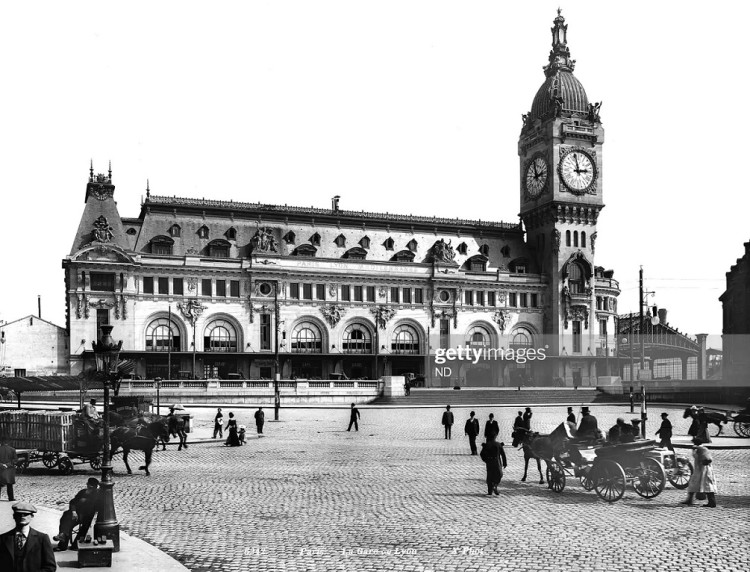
(397, 496)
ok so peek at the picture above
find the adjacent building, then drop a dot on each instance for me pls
(215, 288)
(736, 322)
(32, 346)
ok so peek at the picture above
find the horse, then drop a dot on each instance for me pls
(545, 447)
(518, 436)
(176, 426)
(702, 417)
(140, 438)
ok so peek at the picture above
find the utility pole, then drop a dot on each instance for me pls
(640, 313)
(276, 372)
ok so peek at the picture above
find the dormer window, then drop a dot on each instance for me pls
(305, 250)
(403, 256)
(219, 248)
(231, 234)
(365, 242)
(340, 241)
(162, 245)
(484, 250)
(356, 253)
(412, 245)
(505, 251)
(315, 239)
(388, 243)
(174, 230)
(462, 248)
(476, 263)
(203, 232)
(289, 237)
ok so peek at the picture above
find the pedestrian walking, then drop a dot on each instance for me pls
(354, 418)
(702, 483)
(472, 430)
(494, 458)
(219, 424)
(491, 428)
(8, 459)
(260, 419)
(518, 423)
(527, 418)
(233, 437)
(407, 387)
(447, 421)
(24, 549)
(665, 432)
(571, 417)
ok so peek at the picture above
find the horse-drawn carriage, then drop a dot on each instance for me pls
(609, 468)
(740, 420)
(59, 439)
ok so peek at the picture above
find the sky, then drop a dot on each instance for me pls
(398, 106)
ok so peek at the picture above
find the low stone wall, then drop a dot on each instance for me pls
(687, 390)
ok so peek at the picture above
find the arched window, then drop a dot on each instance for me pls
(478, 337)
(307, 339)
(575, 278)
(158, 334)
(567, 238)
(220, 336)
(405, 340)
(522, 338)
(161, 245)
(484, 250)
(575, 238)
(357, 340)
(231, 234)
(174, 230)
(583, 240)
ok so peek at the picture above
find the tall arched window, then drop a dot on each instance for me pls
(583, 240)
(576, 279)
(306, 338)
(220, 336)
(357, 340)
(567, 238)
(478, 337)
(575, 238)
(405, 340)
(158, 334)
(522, 338)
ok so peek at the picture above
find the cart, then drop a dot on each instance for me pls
(741, 422)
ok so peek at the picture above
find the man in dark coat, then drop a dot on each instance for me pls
(81, 509)
(219, 424)
(588, 428)
(23, 549)
(472, 430)
(354, 418)
(518, 435)
(527, 418)
(621, 432)
(665, 433)
(571, 416)
(8, 460)
(491, 428)
(260, 419)
(447, 421)
(492, 454)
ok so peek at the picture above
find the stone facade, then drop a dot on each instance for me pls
(736, 322)
(210, 288)
(35, 346)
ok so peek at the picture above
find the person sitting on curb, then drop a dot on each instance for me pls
(81, 511)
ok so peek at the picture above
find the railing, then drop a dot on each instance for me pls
(206, 385)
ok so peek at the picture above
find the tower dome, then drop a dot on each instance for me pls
(561, 92)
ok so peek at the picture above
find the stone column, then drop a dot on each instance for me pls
(701, 355)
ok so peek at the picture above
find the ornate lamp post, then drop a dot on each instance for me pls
(107, 354)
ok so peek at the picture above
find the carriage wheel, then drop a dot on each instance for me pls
(96, 463)
(65, 465)
(21, 465)
(50, 459)
(650, 478)
(586, 481)
(742, 428)
(610, 481)
(679, 475)
(555, 477)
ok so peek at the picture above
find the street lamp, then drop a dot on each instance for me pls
(107, 354)
(157, 381)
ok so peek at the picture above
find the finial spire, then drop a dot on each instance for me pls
(91, 172)
(148, 190)
(110, 171)
(559, 56)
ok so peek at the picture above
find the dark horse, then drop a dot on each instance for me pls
(548, 447)
(701, 417)
(176, 426)
(519, 439)
(142, 437)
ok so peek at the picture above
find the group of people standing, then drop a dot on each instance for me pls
(235, 433)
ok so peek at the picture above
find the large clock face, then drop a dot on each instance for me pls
(536, 177)
(578, 171)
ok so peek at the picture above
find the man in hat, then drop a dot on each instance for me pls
(81, 510)
(23, 549)
(260, 419)
(665, 432)
(472, 430)
(588, 428)
(354, 418)
(571, 416)
(91, 417)
(518, 422)
(8, 460)
(447, 421)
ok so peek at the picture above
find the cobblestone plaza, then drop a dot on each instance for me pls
(396, 495)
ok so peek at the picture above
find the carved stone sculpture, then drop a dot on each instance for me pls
(442, 252)
(102, 231)
(333, 314)
(263, 240)
(383, 315)
(556, 241)
(191, 310)
(500, 320)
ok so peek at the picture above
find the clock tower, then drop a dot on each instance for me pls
(560, 151)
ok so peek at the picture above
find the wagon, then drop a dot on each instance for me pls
(56, 439)
(741, 422)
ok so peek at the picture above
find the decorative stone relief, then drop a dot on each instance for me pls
(442, 252)
(382, 291)
(102, 231)
(124, 307)
(191, 310)
(502, 297)
(332, 289)
(556, 241)
(192, 284)
(333, 314)
(593, 242)
(263, 240)
(117, 306)
(500, 319)
(101, 304)
(580, 313)
(383, 315)
(79, 306)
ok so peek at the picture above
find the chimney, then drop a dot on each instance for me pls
(335, 203)
(39, 305)
(663, 316)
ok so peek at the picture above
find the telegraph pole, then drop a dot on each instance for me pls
(276, 372)
(640, 313)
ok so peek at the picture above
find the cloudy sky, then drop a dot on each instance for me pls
(401, 106)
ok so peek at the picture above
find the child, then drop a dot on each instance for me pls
(242, 435)
(702, 479)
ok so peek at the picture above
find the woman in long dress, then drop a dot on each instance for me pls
(233, 439)
(702, 480)
(492, 453)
